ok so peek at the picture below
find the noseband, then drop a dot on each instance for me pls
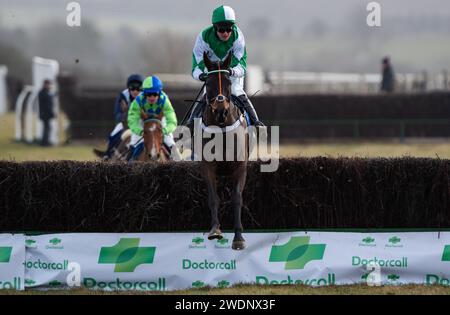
(220, 97)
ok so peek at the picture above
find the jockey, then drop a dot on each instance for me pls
(218, 40)
(153, 101)
(121, 105)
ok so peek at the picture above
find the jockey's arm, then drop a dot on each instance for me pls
(134, 118)
(198, 65)
(239, 59)
(171, 117)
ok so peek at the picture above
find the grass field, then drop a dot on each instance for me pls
(266, 290)
(10, 150)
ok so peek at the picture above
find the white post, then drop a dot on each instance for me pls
(19, 109)
(3, 100)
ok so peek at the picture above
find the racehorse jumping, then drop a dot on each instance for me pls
(222, 115)
(154, 149)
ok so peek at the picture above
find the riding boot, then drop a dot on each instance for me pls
(248, 106)
(129, 153)
(112, 144)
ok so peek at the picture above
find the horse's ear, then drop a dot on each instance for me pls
(227, 62)
(206, 60)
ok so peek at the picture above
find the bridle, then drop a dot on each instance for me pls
(220, 97)
(153, 119)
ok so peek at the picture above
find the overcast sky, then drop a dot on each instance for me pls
(191, 14)
(298, 35)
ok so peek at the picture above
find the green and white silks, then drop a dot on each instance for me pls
(207, 41)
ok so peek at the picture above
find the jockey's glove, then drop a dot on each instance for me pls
(203, 76)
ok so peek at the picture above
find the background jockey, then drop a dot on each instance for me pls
(153, 101)
(218, 40)
(121, 105)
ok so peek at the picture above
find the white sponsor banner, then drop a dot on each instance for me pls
(170, 261)
(12, 256)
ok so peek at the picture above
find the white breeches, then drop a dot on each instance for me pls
(237, 86)
(117, 128)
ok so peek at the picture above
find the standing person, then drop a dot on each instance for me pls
(46, 110)
(217, 40)
(121, 106)
(388, 78)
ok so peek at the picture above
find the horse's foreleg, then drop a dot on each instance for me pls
(213, 203)
(236, 201)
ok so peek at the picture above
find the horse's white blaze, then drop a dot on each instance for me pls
(152, 128)
(153, 151)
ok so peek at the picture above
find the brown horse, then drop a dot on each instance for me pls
(153, 139)
(222, 115)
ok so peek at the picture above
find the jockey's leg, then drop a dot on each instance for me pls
(237, 88)
(248, 106)
(134, 143)
(114, 139)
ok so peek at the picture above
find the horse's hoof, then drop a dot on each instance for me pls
(238, 245)
(217, 234)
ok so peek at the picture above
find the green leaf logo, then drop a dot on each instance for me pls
(197, 240)
(29, 242)
(126, 255)
(364, 276)
(223, 284)
(54, 283)
(223, 241)
(55, 241)
(29, 282)
(297, 252)
(368, 240)
(393, 277)
(198, 284)
(394, 240)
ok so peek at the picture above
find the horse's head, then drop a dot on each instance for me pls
(153, 135)
(218, 89)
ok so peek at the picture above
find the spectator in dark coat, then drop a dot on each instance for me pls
(388, 79)
(46, 110)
